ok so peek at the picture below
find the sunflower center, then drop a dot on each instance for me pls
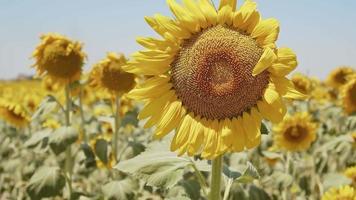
(295, 133)
(116, 80)
(212, 73)
(59, 63)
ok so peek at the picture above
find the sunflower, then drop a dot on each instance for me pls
(59, 58)
(13, 113)
(49, 86)
(51, 123)
(348, 95)
(295, 133)
(31, 102)
(302, 83)
(108, 75)
(351, 173)
(341, 193)
(215, 74)
(338, 77)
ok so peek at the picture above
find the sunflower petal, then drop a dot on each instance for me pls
(247, 17)
(208, 11)
(286, 62)
(225, 15)
(239, 136)
(286, 88)
(231, 3)
(152, 107)
(194, 9)
(266, 33)
(184, 16)
(266, 60)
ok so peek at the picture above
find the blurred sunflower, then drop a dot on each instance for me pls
(348, 95)
(31, 102)
(108, 75)
(13, 113)
(59, 58)
(295, 133)
(302, 83)
(338, 76)
(49, 86)
(351, 173)
(99, 163)
(341, 193)
(214, 76)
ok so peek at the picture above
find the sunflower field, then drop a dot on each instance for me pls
(211, 109)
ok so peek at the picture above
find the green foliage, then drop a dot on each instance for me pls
(48, 104)
(46, 182)
(120, 190)
(61, 138)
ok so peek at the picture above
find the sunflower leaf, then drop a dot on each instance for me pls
(61, 138)
(157, 166)
(120, 190)
(40, 137)
(46, 182)
(264, 130)
(48, 104)
(249, 174)
(101, 150)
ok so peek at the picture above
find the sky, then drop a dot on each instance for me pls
(321, 32)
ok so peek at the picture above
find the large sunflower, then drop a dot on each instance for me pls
(338, 77)
(295, 133)
(108, 75)
(59, 58)
(215, 75)
(348, 95)
(341, 193)
(14, 114)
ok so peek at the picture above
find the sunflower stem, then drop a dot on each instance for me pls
(216, 178)
(68, 161)
(82, 113)
(117, 126)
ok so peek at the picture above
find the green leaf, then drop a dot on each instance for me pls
(62, 138)
(120, 190)
(157, 166)
(130, 118)
(48, 104)
(257, 193)
(46, 182)
(37, 138)
(249, 174)
(101, 150)
(89, 155)
(264, 130)
(335, 180)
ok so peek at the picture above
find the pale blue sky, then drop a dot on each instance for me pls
(323, 33)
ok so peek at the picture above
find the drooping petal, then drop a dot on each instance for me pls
(156, 104)
(273, 112)
(286, 88)
(266, 33)
(152, 88)
(239, 136)
(267, 59)
(286, 62)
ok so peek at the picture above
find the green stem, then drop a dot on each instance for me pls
(82, 113)
(216, 178)
(201, 179)
(117, 126)
(227, 189)
(68, 161)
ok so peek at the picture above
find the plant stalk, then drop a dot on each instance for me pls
(117, 126)
(68, 161)
(85, 137)
(216, 178)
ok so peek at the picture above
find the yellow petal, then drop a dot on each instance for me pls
(170, 119)
(187, 19)
(266, 60)
(171, 27)
(286, 88)
(196, 11)
(271, 95)
(152, 88)
(197, 137)
(225, 15)
(208, 11)
(239, 136)
(156, 104)
(273, 112)
(266, 33)
(286, 62)
(250, 127)
(247, 17)
(231, 3)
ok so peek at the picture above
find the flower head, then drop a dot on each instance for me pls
(338, 77)
(59, 58)
(215, 74)
(14, 113)
(108, 75)
(295, 133)
(302, 83)
(341, 193)
(348, 95)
